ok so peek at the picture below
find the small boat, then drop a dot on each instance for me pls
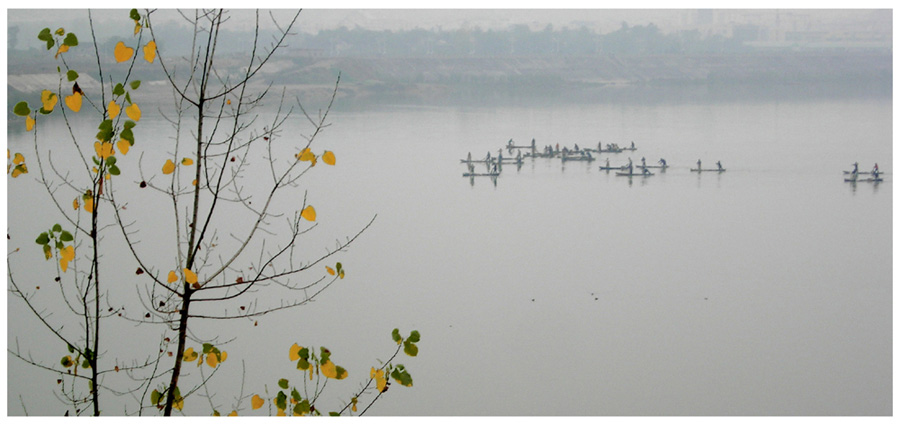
(578, 158)
(860, 172)
(865, 180)
(697, 170)
(481, 174)
(662, 167)
(647, 174)
(607, 168)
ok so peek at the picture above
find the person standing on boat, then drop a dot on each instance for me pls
(632, 145)
(855, 168)
(875, 171)
(698, 165)
(662, 162)
(719, 164)
(630, 169)
(643, 162)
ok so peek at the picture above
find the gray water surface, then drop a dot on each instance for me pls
(566, 290)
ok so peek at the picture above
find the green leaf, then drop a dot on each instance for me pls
(21, 109)
(71, 40)
(410, 349)
(303, 364)
(134, 15)
(85, 364)
(119, 90)
(135, 84)
(60, 32)
(155, 396)
(207, 347)
(106, 131)
(339, 267)
(324, 355)
(296, 394)
(304, 353)
(334, 414)
(128, 98)
(111, 160)
(71, 348)
(66, 236)
(113, 170)
(42, 239)
(281, 400)
(47, 251)
(59, 245)
(71, 75)
(414, 336)
(57, 228)
(302, 408)
(283, 383)
(129, 124)
(396, 335)
(45, 35)
(128, 135)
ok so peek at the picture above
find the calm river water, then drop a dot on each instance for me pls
(561, 289)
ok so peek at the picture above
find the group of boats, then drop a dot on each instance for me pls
(494, 164)
(873, 176)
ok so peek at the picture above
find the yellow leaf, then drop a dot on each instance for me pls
(114, 109)
(137, 27)
(354, 400)
(328, 157)
(194, 182)
(133, 112)
(169, 167)
(150, 51)
(89, 205)
(18, 170)
(309, 213)
(329, 370)
(190, 355)
(74, 102)
(257, 402)
(66, 254)
(212, 360)
(187, 161)
(29, 123)
(294, 353)
(280, 412)
(48, 100)
(307, 155)
(104, 150)
(189, 276)
(75, 203)
(341, 274)
(233, 413)
(172, 276)
(123, 146)
(62, 49)
(329, 270)
(122, 52)
(224, 356)
(179, 403)
(18, 158)
(380, 381)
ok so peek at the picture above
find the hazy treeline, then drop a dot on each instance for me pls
(517, 41)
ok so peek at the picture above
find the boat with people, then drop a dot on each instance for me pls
(487, 159)
(700, 169)
(582, 156)
(855, 173)
(510, 146)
